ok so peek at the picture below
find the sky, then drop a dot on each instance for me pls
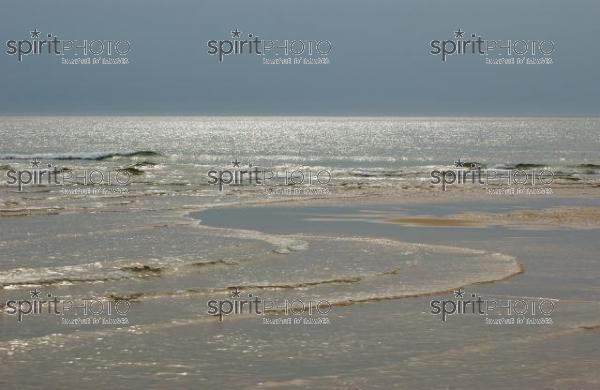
(380, 62)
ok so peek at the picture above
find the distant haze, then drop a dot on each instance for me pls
(380, 63)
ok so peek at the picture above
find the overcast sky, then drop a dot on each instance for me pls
(380, 63)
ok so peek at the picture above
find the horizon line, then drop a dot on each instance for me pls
(218, 115)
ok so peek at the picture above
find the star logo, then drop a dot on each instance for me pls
(459, 33)
(459, 163)
(35, 293)
(35, 163)
(235, 33)
(458, 294)
(35, 33)
(235, 293)
(236, 163)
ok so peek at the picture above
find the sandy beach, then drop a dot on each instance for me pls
(376, 264)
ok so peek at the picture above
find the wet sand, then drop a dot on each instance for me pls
(171, 255)
(434, 222)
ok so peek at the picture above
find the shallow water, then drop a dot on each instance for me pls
(172, 339)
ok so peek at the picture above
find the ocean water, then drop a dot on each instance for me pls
(377, 149)
(172, 243)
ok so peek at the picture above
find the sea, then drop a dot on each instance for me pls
(254, 252)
